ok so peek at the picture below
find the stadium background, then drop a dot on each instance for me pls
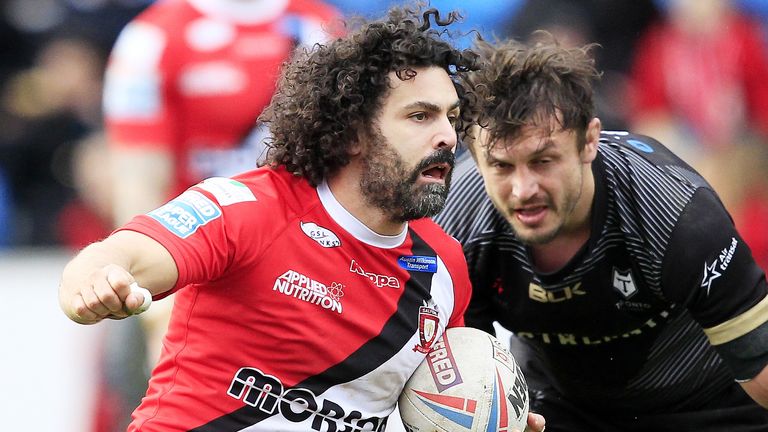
(47, 362)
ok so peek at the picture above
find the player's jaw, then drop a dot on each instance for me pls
(403, 192)
(540, 219)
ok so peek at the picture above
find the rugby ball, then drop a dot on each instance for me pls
(468, 381)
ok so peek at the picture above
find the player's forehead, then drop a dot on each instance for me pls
(528, 139)
(429, 88)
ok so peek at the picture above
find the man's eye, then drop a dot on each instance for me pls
(419, 116)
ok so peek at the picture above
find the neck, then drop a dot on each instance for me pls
(345, 186)
(555, 254)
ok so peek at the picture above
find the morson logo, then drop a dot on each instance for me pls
(267, 394)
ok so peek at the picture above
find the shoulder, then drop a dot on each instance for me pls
(145, 39)
(262, 197)
(168, 15)
(314, 9)
(447, 247)
(647, 163)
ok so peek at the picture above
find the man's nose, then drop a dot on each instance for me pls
(446, 135)
(524, 184)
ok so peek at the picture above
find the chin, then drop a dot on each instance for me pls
(535, 237)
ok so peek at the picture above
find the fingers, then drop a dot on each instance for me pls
(106, 296)
(536, 423)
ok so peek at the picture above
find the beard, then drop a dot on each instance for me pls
(389, 185)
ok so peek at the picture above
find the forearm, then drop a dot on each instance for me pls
(96, 283)
(757, 388)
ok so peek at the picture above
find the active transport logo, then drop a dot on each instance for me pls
(303, 288)
(419, 263)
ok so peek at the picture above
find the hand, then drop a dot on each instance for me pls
(106, 294)
(535, 423)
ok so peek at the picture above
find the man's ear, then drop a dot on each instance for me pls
(356, 148)
(589, 152)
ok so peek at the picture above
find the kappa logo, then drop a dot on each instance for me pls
(323, 236)
(379, 280)
(719, 265)
(623, 282)
(429, 324)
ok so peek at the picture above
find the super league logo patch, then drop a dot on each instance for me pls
(186, 213)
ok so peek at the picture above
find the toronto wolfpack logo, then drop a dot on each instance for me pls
(428, 324)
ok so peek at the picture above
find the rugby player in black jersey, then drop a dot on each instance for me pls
(633, 302)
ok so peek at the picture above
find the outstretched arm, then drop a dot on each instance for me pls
(96, 283)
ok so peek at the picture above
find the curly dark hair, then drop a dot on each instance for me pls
(329, 94)
(530, 84)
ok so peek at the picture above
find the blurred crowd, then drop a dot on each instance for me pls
(691, 73)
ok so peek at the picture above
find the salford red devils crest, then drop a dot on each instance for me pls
(428, 325)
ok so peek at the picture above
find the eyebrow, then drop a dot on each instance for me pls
(429, 106)
(548, 144)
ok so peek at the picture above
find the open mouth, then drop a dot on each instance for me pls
(531, 215)
(437, 171)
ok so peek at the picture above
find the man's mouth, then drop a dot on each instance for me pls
(438, 171)
(531, 215)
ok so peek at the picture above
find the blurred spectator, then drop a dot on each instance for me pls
(614, 25)
(185, 83)
(44, 109)
(699, 85)
(97, 20)
(88, 216)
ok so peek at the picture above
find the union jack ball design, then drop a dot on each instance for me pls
(468, 381)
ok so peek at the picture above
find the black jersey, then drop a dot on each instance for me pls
(663, 307)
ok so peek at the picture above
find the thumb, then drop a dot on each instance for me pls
(138, 300)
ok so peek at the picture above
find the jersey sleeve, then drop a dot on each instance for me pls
(202, 228)
(709, 269)
(137, 87)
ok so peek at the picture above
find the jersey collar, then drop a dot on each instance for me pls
(353, 225)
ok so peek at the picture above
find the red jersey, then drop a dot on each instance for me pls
(193, 76)
(289, 313)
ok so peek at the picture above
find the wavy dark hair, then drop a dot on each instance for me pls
(329, 94)
(530, 84)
